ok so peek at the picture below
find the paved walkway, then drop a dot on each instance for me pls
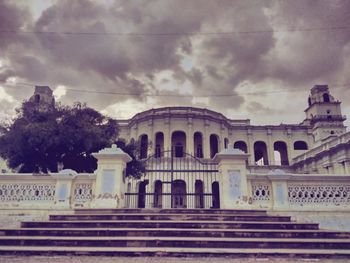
(83, 259)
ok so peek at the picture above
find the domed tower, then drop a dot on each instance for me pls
(43, 97)
(324, 114)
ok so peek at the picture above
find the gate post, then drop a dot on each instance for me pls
(110, 179)
(233, 178)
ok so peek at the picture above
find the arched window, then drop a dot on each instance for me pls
(326, 97)
(281, 148)
(178, 143)
(241, 145)
(143, 146)
(260, 153)
(198, 142)
(199, 197)
(159, 149)
(158, 191)
(300, 145)
(309, 101)
(214, 145)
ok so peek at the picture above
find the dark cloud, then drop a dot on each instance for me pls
(217, 64)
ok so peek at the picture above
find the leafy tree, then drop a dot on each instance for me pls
(37, 140)
(135, 167)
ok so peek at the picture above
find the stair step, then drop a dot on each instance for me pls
(154, 216)
(263, 243)
(174, 232)
(171, 224)
(175, 252)
(171, 211)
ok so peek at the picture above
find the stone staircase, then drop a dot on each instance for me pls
(174, 232)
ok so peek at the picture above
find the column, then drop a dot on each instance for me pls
(206, 141)
(270, 149)
(250, 146)
(110, 179)
(167, 135)
(189, 137)
(233, 179)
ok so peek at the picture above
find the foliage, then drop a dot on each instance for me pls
(37, 140)
(134, 168)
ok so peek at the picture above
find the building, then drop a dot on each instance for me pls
(198, 158)
(178, 145)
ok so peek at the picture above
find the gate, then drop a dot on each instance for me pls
(171, 181)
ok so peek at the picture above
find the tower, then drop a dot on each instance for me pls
(43, 97)
(324, 114)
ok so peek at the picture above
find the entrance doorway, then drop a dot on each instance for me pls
(178, 193)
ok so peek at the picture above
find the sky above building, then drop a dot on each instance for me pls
(245, 59)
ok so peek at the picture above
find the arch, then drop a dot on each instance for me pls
(178, 193)
(178, 143)
(281, 148)
(158, 191)
(241, 145)
(260, 153)
(143, 146)
(198, 144)
(300, 145)
(215, 189)
(141, 202)
(326, 97)
(214, 145)
(199, 197)
(159, 148)
(226, 142)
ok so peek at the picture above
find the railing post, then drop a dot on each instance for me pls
(110, 179)
(64, 189)
(233, 179)
(279, 182)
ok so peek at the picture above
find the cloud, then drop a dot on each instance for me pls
(173, 51)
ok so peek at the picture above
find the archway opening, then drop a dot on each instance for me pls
(143, 146)
(215, 189)
(178, 193)
(300, 145)
(281, 148)
(260, 153)
(214, 145)
(159, 149)
(142, 194)
(199, 198)
(198, 144)
(158, 191)
(178, 143)
(326, 97)
(241, 145)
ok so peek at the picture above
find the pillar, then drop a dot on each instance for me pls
(233, 179)
(110, 179)
(64, 185)
(279, 193)
(270, 148)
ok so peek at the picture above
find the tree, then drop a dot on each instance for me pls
(36, 141)
(135, 167)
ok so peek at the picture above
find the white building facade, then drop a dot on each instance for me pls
(198, 158)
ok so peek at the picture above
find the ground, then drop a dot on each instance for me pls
(83, 259)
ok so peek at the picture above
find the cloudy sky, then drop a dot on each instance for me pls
(247, 59)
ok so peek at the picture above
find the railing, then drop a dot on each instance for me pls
(45, 191)
(324, 147)
(300, 192)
